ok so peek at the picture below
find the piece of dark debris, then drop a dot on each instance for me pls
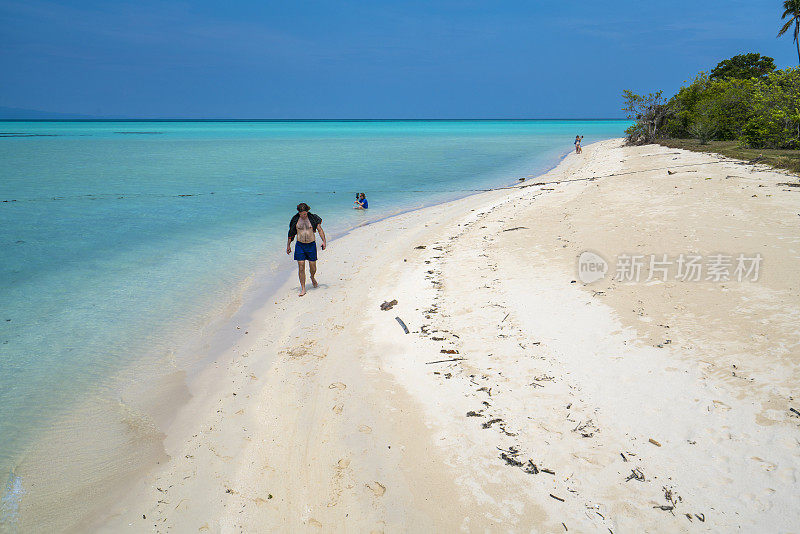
(502, 427)
(473, 413)
(402, 324)
(388, 305)
(510, 460)
(636, 474)
(490, 422)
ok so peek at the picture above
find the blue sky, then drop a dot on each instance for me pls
(343, 59)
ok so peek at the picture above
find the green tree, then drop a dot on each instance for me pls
(775, 112)
(649, 111)
(761, 112)
(703, 126)
(744, 66)
(684, 107)
(792, 14)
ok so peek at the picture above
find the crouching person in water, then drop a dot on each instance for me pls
(361, 202)
(303, 225)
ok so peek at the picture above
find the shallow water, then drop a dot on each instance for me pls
(122, 240)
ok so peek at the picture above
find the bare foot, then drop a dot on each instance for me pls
(314, 282)
(302, 292)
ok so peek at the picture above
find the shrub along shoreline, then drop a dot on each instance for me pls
(743, 104)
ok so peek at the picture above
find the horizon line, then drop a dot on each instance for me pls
(309, 120)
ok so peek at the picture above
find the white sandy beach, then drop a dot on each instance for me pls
(650, 406)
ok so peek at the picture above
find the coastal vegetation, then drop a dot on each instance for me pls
(744, 103)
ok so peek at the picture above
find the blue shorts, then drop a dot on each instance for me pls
(305, 251)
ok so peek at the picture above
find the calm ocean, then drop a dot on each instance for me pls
(123, 240)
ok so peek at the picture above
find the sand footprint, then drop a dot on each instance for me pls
(377, 488)
(338, 476)
(765, 464)
(337, 385)
(365, 429)
(337, 409)
(721, 405)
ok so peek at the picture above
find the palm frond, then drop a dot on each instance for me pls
(791, 9)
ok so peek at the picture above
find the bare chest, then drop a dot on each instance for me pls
(305, 231)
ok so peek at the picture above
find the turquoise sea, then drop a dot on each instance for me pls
(121, 241)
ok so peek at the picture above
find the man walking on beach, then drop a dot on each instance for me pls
(303, 225)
